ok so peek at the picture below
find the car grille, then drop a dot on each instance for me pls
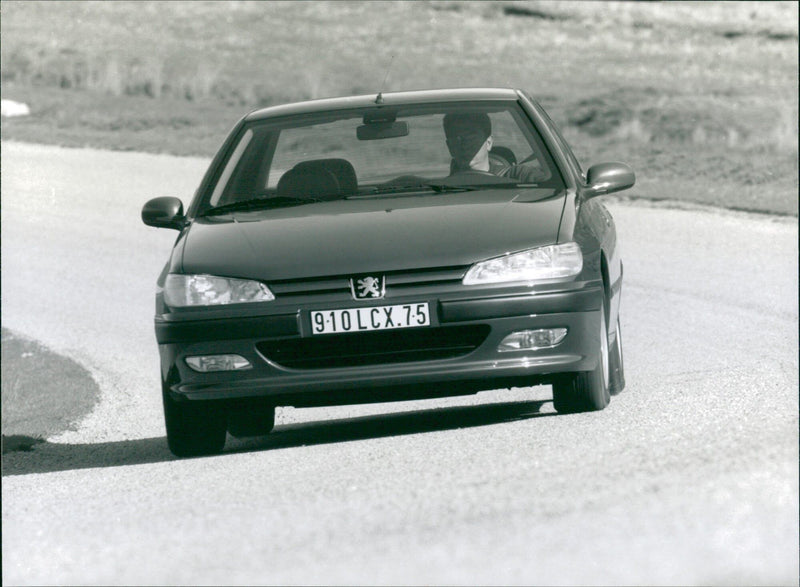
(375, 348)
(397, 282)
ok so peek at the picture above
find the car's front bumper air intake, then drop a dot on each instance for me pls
(374, 348)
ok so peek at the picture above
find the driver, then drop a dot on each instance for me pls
(469, 140)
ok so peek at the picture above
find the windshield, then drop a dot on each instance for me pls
(380, 152)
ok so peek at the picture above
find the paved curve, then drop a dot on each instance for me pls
(690, 476)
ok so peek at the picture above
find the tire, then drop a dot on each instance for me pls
(251, 420)
(193, 428)
(585, 391)
(616, 364)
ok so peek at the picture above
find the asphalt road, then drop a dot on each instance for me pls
(689, 477)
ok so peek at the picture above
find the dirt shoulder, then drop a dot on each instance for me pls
(43, 393)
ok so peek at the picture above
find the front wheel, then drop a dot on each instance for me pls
(586, 391)
(194, 428)
(250, 418)
(616, 366)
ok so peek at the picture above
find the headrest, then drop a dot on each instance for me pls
(342, 170)
(319, 178)
(312, 183)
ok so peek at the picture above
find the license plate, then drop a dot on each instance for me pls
(374, 318)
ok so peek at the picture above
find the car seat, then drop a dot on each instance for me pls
(324, 179)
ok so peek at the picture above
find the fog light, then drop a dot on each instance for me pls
(531, 340)
(218, 363)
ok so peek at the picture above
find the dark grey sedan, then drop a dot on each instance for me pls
(386, 247)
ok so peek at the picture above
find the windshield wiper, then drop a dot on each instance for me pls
(260, 204)
(471, 187)
(441, 188)
(473, 180)
(447, 185)
(410, 189)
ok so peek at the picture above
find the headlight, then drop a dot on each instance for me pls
(553, 262)
(208, 290)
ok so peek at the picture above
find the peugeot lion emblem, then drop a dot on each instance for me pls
(367, 287)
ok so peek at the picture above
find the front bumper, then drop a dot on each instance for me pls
(498, 312)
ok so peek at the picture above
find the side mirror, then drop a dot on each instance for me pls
(606, 178)
(164, 213)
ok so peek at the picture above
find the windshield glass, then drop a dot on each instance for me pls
(380, 151)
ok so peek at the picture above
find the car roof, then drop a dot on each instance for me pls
(386, 99)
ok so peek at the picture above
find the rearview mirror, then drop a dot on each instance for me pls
(382, 130)
(164, 212)
(606, 178)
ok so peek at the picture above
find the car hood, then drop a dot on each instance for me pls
(370, 235)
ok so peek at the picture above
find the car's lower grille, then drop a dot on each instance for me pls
(375, 348)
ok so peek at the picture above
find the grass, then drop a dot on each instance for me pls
(701, 98)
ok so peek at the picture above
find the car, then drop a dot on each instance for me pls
(342, 251)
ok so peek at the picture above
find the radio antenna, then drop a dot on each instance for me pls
(379, 98)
